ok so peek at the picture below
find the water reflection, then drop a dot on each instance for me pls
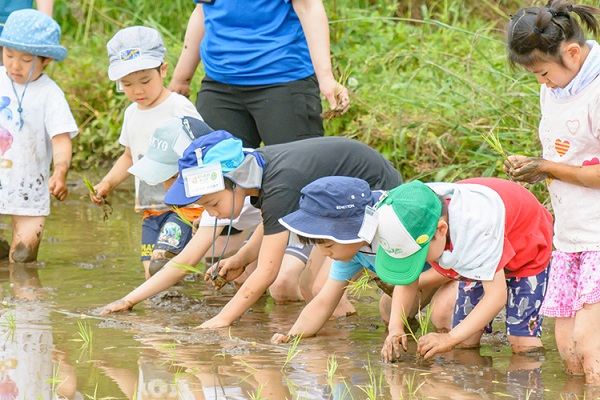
(153, 352)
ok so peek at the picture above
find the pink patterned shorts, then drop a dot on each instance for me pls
(574, 281)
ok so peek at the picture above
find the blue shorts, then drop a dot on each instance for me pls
(164, 232)
(523, 304)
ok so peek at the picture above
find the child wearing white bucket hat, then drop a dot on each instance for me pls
(36, 128)
(137, 63)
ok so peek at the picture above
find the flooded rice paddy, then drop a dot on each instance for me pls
(53, 345)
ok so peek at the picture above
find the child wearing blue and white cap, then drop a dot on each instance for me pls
(136, 62)
(218, 174)
(36, 128)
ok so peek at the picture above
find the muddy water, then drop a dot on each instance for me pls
(152, 352)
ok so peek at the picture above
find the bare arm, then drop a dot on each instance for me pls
(45, 6)
(536, 169)
(491, 303)
(271, 253)
(170, 274)
(62, 151)
(316, 29)
(402, 300)
(317, 312)
(117, 174)
(190, 53)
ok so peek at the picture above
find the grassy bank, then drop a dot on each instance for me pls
(427, 80)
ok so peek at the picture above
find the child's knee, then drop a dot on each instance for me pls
(23, 253)
(159, 259)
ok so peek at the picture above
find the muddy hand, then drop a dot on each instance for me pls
(212, 276)
(529, 170)
(279, 338)
(434, 343)
(392, 346)
(118, 305)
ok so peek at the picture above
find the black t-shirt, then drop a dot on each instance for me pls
(291, 166)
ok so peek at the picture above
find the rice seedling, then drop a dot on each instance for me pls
(358, 287)
(293, 350)
(10, 326)
(411, 386)
(170, 348)
(374, 389)
(182, 218)
(55, 381)
(93, 396)
(106, 206)
(85, 336)
(493, 140)
(332, 366)
(258, 394)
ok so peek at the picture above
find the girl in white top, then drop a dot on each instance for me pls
(549, 42)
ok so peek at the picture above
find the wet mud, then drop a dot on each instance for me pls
(53, 344)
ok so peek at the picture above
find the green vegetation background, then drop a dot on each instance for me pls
(428, 79)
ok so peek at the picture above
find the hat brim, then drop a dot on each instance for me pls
(176, 195)
(153, 172)
(56, 52)
(122, 69)
(400, 271)
(340, 230)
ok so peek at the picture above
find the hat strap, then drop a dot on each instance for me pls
(20, 99)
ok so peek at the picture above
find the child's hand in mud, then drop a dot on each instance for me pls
(229, 269)
(391, 347)
(118, 305)
(434, 343)
(526, 169)
(279, 338)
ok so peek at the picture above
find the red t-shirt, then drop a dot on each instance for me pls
(527, 231)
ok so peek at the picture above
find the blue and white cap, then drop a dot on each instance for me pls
(134, 49)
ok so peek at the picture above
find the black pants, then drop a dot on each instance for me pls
(270, 114)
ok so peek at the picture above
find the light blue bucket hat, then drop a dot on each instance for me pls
(32, 31)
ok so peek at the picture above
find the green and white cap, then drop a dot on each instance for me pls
(408, 219)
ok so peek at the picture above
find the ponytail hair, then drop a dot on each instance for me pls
(536, 34)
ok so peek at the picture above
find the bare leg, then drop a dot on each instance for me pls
(286, 287)
(587, 342)
(563, 333)
(27, 235)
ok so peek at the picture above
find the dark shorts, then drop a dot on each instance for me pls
(164, 232)
(301, 252)
(271, 114)
(525, 296)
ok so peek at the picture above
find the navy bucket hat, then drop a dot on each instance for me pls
(331, 208)
(217, 147)
(33, 32)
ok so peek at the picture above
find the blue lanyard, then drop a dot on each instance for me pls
(20, 100)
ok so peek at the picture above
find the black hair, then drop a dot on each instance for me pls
(310, 241)
(535, 34)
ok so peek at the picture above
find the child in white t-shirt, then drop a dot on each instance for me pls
(36, 127)
(136, 57)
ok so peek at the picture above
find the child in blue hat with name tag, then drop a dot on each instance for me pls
(218, 174)
(36, 128)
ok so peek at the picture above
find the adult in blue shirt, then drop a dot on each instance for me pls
(265, 62)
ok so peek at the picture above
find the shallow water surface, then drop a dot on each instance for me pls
(54, 345)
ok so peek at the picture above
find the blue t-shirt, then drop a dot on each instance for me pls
(259, 42)
(6, 7)
(343, 271)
